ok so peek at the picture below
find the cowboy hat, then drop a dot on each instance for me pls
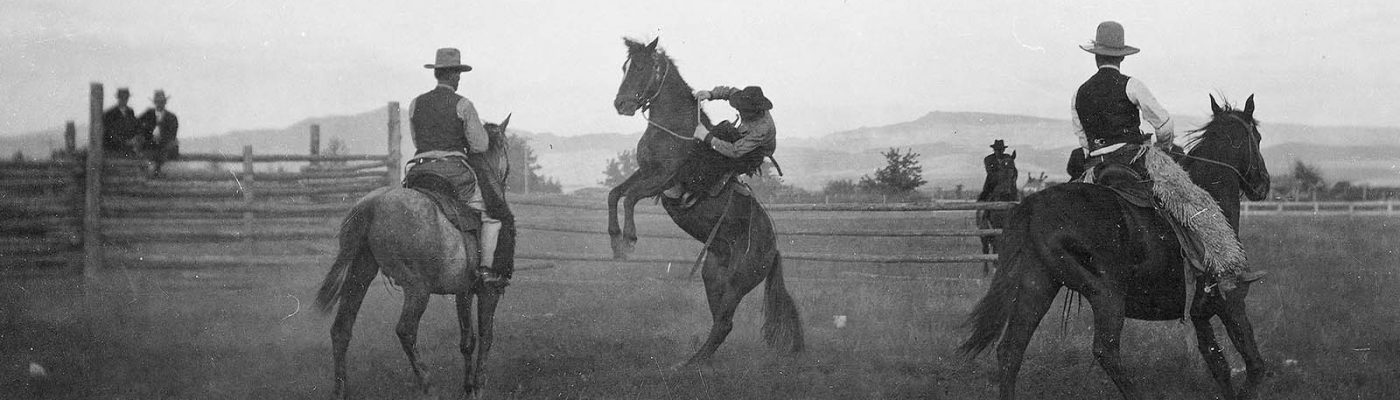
(1108, 41)
(160, 96)
(999, 144)
(750, 98)
(450, 59)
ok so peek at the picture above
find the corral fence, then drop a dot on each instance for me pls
(68, 210)
(1383, 207)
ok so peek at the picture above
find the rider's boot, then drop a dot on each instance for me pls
(490, 232)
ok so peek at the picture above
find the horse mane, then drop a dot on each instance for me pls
(1215, 127)
(636, 47)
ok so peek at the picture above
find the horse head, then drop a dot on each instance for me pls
(496, 154)
(644, 73)
(1232, 138)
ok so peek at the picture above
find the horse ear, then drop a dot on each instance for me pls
(1214, 108)
(506, 122)
(1249, 106)
(652, 45)
(1013, 154)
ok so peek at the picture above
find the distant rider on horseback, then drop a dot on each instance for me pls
(1107, 112)
(993, 163)
(445, 127)
(731, 149)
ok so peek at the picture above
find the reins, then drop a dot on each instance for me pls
(1232, 168)
(659, 77)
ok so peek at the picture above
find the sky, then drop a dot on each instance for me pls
(827, 65)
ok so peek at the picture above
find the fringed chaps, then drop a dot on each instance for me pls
(1193, 208)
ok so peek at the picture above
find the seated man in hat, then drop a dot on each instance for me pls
(445, 127)
(120, 129)
(732, 149)
(1107, 111)
(158, 129)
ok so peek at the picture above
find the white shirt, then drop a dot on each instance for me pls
(1148, 107)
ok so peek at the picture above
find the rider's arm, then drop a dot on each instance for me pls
(758, 134)
(477, 140)
(1152, 111)
(1078, 126)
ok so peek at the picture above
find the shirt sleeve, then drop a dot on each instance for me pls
(477, 140)
(758, 134)
(722, 92)
(1074, 121)
(1152, 111)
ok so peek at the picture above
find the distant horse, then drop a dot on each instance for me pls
(999, 186)
(744, 249)
(401, 232)
(1034, 184)
(1126, 260)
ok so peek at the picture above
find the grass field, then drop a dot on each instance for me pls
(1327, 318)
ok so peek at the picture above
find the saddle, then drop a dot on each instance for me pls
(434, 179)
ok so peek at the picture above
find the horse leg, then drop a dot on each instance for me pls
(415, 302)
(1213, 354)
(1241, 331)
(1032, 301)
(724, 300)
(488, 298)
(614, 230)
(645, 186)
(362, 272)
(467, 344)
(1108, 330)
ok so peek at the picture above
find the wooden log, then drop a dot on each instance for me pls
(37, 183)
(846, 258)
(204, 157)
(187, 235)
(231, 176)
(793, 232)
(394, 160)
(173, 261)
(34, 206)
(895, 207)
(265, 191)
(70, 138)
(232, 217)
(34, 245)
(6, 166)
(356, 167)
(25, 224)
(233, 206)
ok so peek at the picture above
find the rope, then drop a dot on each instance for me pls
(700, 258)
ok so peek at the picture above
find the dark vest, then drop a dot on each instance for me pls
(435, 124)
(1105, 112)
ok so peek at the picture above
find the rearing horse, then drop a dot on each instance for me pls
(401, 232)
(1126, 260)
(744, 249)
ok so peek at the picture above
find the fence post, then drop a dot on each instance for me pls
(92, 197)
(393, 161)
(315, 145)
(248, 180)
(70, 138)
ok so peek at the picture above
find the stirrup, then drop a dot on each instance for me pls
(490, 277)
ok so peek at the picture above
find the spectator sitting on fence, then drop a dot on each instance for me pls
(120, 130)
(158, 128)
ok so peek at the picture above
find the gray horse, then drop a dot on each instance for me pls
(401, 233)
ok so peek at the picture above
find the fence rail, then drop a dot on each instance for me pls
(1388, 207)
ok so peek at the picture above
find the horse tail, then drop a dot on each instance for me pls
(782, 326)
(989, 317)
(354, 237)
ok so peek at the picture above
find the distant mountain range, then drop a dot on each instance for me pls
(951, 145)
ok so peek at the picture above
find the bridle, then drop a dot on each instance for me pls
(659, 72)
(1249, 167)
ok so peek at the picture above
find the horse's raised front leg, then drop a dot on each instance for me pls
(649, 185)
(1241, 331)
(415, 302)
(615, 230)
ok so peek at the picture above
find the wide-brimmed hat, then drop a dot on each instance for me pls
(1109, 41)
(160, 96)
(999, 144)
(123, 92)
(750, 98)
(450, 59)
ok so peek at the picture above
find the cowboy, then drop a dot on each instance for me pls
(445, 127)
(994, 162)
(1107, 111)
(158, 129)
(120, 129)
(732, 149)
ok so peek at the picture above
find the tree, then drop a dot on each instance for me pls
(901, 174)
(840, 187)
(524, 169)
(1308, 179)
(619, 168)
(767, 184)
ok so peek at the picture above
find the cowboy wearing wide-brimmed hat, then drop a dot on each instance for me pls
(732, 149)
(120, 130)
(996, 162)
(159, 128)
(445, 127)
(1108, 110)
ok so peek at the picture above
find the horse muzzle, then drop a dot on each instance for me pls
(626, 105)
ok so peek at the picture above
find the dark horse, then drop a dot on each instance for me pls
(744, 250)
(999, 186)
(401, 232)
(1125, 260)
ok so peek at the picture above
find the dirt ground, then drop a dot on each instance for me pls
(1327, 319)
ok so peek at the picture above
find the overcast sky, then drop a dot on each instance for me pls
(827, 65)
